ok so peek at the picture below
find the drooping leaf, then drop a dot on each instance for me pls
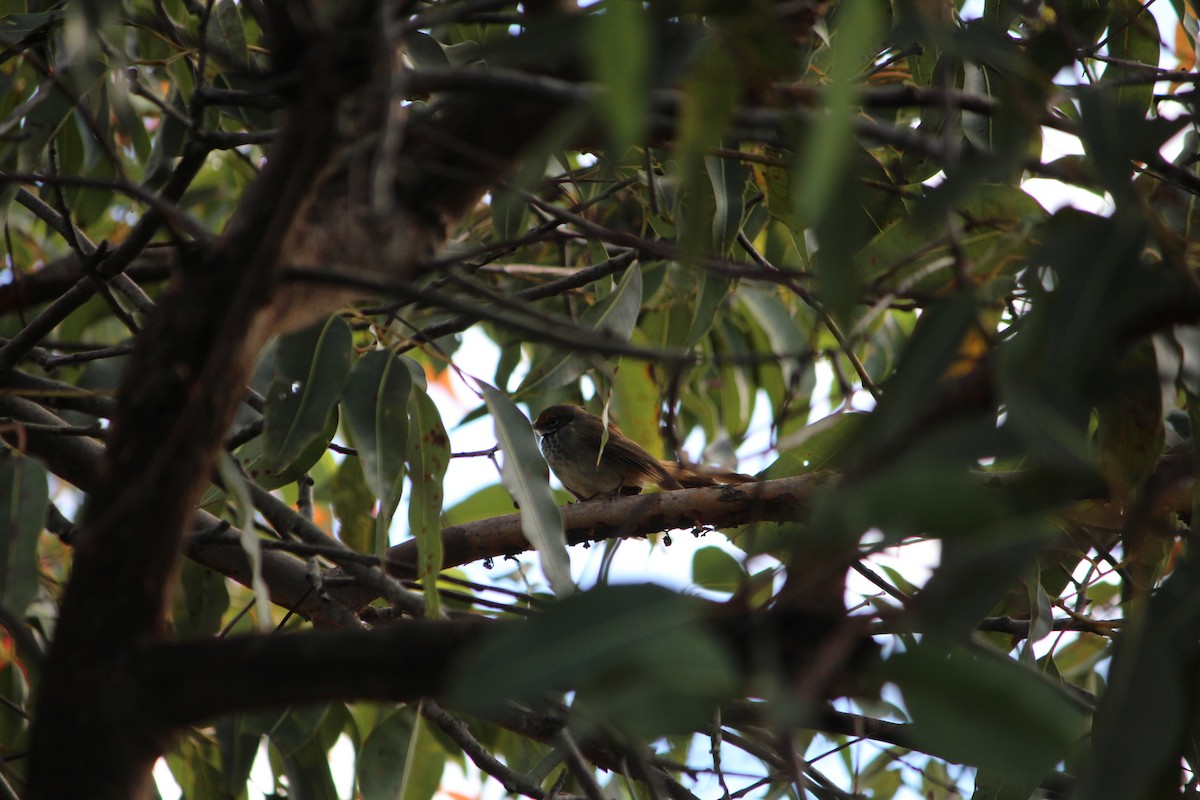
(225, 32)
(428, 458)
(619, 52)
(712, 291)
(24, 496)
(1133, 40)
(527, 479)
(375, 405)
(310, 367)
(817, 446)
(634, 392)
(200, 601)
(729, 179)
(194, 766)
(238, 749)
(710, 93)
(1149, 716)
(614, 316)
(353, 502)
(399, 759)
(779, 324)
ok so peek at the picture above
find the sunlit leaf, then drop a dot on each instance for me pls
(490, 501)
(428, 458)
(716, 570)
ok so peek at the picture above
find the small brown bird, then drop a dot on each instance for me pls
(571, 443)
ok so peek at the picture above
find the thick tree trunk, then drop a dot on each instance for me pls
(97, 732)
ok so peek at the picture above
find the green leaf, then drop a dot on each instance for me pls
(716, 570)
(773, 177)
(201, 600)
(308, 766)
(353, 503)
(269, 476)
(24, 496)
(710, 295)
(619, 48)
(375, 405)
(238, 749)
(310, 368)
(991, 784)
(168, 144)
(527, 479)
(1041, 613)
(634, 391)
(1133, 38)
(1148, 717)
(424, 50)
(816, 447)
(828, 145)
(1129, 429)
(51, 107)
(399, 760)
(194, 767)
(491, 501)
(711, 91)
(510, 211)
(639, 657)
(614, 316)
(18, 26)
(428, 458)
(729, 178)
(975, 707)
(914, 253)
(226, 32)
(779, 324)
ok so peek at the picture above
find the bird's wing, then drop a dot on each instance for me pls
(631, 454)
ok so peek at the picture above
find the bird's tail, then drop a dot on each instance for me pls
(696, 477)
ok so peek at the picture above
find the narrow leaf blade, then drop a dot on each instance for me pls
(527, 478)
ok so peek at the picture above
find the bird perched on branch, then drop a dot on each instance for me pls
(572, 445)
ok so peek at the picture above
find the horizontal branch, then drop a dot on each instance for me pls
(199, 680)
(786, 499)
(203, 679)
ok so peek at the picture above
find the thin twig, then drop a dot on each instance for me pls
(457, 731)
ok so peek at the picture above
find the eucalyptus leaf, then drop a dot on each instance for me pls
(24, 496)
(375, 406)
(428, 458)
(527, 479)
(310, 368)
